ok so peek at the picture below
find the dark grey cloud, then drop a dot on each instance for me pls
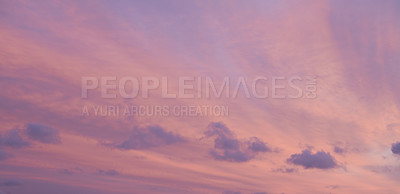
(148, 137)
(307, 159)
(108, 172)
(4, 155)
(228, 148)
(396, 148)
(10, 183)
(12, 138)
(42, 133)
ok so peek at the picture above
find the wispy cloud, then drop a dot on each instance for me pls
(108, 172)
(148, 137)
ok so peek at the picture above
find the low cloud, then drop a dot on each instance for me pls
(148, 137)
(42, 133)
(307, 159)
(396, 148)
(228, 148)
(13, 139)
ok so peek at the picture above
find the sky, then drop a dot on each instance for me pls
(333, 125)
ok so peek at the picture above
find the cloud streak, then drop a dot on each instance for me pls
(149, 137)
(11, 183)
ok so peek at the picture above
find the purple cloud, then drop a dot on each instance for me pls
(230, 155)
(228, 148)
(232, 192)
(285, 170)
(42, 133)
(226, 143)
(4, 155)
(10, 183)
(13, 139)
(219, 129)
(339, 150)
(332, 187)
(148, 137)
(396, 148)
(108, 172)
(307, 159)
(256, 145)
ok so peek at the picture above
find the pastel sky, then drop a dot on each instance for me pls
(345, 140)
